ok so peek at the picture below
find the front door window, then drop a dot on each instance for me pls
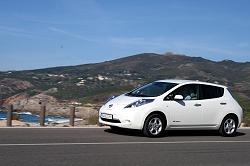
(186, 112)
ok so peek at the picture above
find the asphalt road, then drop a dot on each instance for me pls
(101, 146)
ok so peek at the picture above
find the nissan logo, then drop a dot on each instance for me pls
(111, 105)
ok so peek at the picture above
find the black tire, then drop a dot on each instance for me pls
(154, 126)
(117, 129)
(228, 126)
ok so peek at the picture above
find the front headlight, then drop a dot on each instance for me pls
(139, 103)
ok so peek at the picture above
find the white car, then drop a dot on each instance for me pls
(174, 105)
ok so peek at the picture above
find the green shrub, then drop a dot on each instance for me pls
(246, 119)
(92, 120)
(15, 117)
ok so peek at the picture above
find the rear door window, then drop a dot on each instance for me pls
(211, 92)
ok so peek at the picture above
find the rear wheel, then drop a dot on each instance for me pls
(154, 126)
(228, 126)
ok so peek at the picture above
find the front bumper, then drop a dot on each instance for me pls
(122, 117)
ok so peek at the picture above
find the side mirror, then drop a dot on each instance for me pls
(178, 97)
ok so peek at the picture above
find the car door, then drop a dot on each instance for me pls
(185, 112)
(213, 104)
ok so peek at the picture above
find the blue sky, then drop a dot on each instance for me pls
(38, 34)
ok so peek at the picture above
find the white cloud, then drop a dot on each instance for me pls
(14, 32)
(71, 34)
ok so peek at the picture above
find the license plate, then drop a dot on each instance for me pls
(107, 116)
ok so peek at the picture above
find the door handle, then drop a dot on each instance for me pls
(197, 104)
(223, 103)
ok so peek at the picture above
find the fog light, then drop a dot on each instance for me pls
(128, 121)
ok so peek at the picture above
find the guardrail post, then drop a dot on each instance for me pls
(42, 114)
(72, 116)
(9, 115)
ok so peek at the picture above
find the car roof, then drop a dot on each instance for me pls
(179, 81)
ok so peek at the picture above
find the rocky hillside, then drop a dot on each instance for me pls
(23, 103)
(95, 82)
(13, 85)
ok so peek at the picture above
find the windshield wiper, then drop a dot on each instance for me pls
(138, 95)
(141, 95)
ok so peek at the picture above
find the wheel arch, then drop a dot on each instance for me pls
(159, 113)
(234, 115)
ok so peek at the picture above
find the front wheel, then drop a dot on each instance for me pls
(228, 126)
(154, 126)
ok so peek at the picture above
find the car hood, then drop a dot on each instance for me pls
(123, 100)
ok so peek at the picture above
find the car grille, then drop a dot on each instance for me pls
(111, 120)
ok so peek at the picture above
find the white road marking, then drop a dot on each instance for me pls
(121, 143)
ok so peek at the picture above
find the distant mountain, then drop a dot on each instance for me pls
(94, 82)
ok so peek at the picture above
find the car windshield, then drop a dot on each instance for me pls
(152, 90)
